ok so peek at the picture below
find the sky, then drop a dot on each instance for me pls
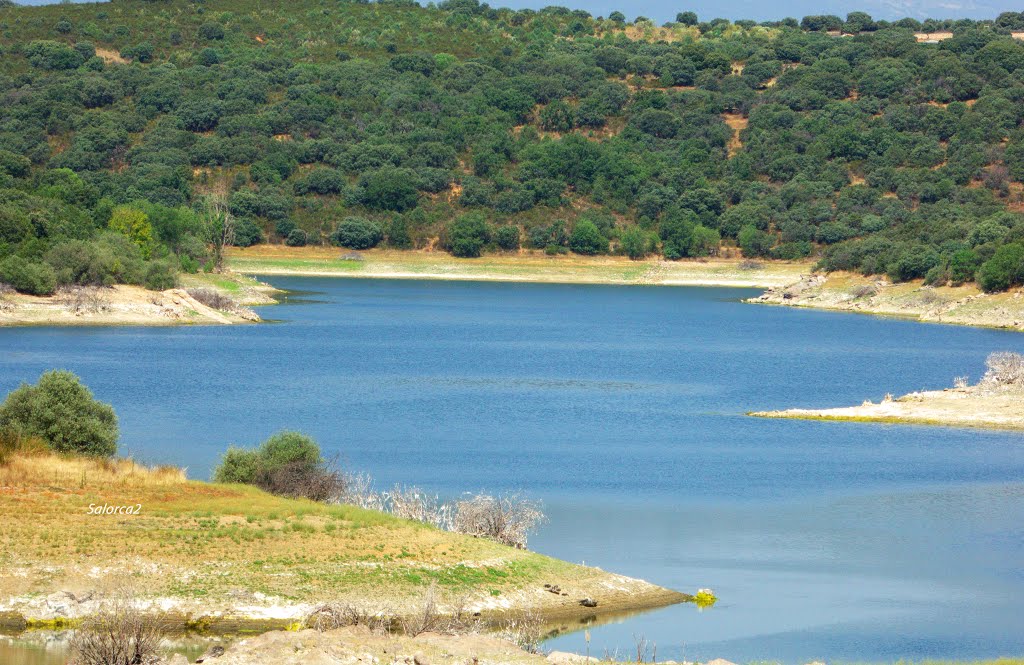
(760, 10)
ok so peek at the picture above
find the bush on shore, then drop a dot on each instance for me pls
(287, 464)
(62, 412)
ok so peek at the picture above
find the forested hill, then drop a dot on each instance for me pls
(136, 136)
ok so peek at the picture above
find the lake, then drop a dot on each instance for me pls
(622, 408)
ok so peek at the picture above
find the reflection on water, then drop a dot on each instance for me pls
(44, 647)
(622, 409)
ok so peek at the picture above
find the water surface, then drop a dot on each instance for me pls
(622, 408)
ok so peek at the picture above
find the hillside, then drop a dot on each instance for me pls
(139, 137)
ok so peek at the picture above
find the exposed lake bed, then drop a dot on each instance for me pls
(630, 426)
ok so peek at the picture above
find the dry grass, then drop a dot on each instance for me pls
(212, 547)
(737, 123)
(32, 469)
(526, 266)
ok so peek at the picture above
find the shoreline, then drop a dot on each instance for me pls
(211, 557)
(525, 266)
(852, 293)
(996, 407)
(128, 305)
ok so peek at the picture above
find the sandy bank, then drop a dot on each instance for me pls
(135, 306)
(997, 401)
(962, 305)
(520, 267)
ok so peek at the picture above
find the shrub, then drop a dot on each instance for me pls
(357, 233)
(755, 242)
(1003, 270)
(110, 259)
(37, 279)
(248, 233)
(467, 235)
(507, 238)
(118, 635)
(389, 189)
(586, 238)
(508, 519)
(214, 299)
(211, 31)
(704, 241)
(135, 225)
(1004, 368)
(963, 264)
(635, 243)
(286, 464)
(161, 275)
(238, 465)
(63, 413)
(296, 238)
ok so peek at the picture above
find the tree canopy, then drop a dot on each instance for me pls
(445, 125)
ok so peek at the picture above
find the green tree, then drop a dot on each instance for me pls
(507, 238)
(586, 238)
(704, 241)
(467, 235)
(389, 189)
(635, 242)
(1003, 270)
(63, 413)
(358, 233)
(755, 242)
(134, 224)
(288, 463)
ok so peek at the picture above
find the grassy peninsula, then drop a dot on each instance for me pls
(232, 556)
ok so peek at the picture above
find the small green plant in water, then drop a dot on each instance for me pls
(705, 598)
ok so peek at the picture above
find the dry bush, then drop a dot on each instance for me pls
(300, 479)
(960, 382)
(411, 503)
(214, 299)
(1004, 368)
(340, 615)
(118, 635)
(427, 618)
(6, 294)
(508, 519)
(83, 299)
(864, 291)
(13, 443)
(32, 466)
(525, 630)
(357, 490)
(749, 264)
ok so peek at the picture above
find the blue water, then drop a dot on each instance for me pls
(622, 409)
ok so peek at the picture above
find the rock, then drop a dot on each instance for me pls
(61, 604)
(176, 659)
(419, 659)
(216, 651)
(566, 658)
(588, 602)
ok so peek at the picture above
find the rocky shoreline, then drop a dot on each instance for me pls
(845, 292)
(126, 305)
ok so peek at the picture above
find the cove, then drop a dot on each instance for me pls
(622, 409)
